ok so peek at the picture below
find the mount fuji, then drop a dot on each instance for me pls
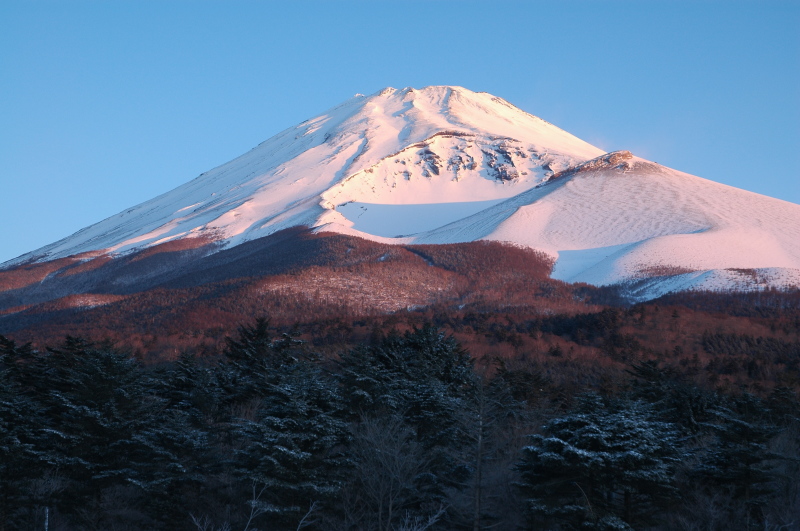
(443, 165)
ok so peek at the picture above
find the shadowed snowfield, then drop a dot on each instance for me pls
(405, 220)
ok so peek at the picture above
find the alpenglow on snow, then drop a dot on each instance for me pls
(444, 164)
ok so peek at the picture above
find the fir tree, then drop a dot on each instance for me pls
(189, 387)
(740, 461)
(252, 358)
(600, 467)
(424, 378)
(21, 461)
(107, 429)
(292, 450)
(285, 422)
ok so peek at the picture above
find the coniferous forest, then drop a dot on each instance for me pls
(390, 424)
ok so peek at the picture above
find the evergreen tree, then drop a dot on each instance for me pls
(252, 358)
(600, 467)
(107, 431)
(740, 461)
(189, 387)
(424, 378)
(285, 424)
(408, 374)
(292, 450)
(21, 421)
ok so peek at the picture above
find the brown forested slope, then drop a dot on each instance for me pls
(498, 301)
(191, 300)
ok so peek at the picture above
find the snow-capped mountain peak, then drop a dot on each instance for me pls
(446, 164)
(384, 148)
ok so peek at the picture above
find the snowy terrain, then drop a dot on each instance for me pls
(445, 164)
(623, 219)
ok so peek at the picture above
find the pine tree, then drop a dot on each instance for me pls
(20, 439)
(600, 467)
(106, 430)
(424, 378)
(740, 461)
(292, 450)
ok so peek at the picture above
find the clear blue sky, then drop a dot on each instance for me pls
(105, 104)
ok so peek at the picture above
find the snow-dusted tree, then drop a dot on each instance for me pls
(739, 463)
(107, 431)
(20, 438)
(253, 358)
(285, 423)
(174, 458)
(603, 466)
(426, 354)
(422, 377)
(189, 387)
(292, 449)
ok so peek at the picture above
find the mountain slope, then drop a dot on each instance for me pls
(444, 165)
(620, 218)
(368, 148)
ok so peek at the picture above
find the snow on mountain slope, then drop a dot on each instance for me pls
(385, 148)
(444, 165)
(620, 218)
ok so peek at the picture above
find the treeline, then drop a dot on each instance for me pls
(403, 431)
(780, 307)
(723, 353)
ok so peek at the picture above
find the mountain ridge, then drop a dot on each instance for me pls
(348, 137)
(447, 165)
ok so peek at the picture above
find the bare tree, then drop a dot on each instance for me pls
(420, 523)
(493, 428)
(43, 489)
(388, 460)
(204, 523)
(307, 520)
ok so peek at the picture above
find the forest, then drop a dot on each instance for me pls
(670, 415)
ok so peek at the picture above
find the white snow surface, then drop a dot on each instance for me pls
(445, 164)
(620, 223)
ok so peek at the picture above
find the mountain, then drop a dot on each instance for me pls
(619, 219)
(438, 165)
(396, 147)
